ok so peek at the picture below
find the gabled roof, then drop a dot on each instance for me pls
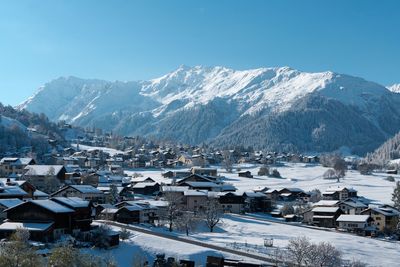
(43, 170)
(71, 202)
(325, 209)
(33, 227)
(85, 189)
(46, 204)
(352, 218)
(12, 191)
(10, 202)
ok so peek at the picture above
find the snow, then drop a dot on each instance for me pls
(75, 202)
(395, 88)
(88, 189)
(52, 206)
(11, 226)
(112, 152)
(309, 176)
(43, 170)
(352, 218)
(11, 202)
(145, 246)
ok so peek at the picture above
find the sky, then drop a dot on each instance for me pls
(41, 40)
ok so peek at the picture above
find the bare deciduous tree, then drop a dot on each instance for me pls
(174, 208)
(213, 213)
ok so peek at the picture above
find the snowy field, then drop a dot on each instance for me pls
(237, 231)
(143, 247)
(300, 175)
(110, 151)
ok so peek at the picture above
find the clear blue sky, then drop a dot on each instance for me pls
(130, 40)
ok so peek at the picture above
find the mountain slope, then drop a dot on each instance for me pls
(395, 88)
(266, 107)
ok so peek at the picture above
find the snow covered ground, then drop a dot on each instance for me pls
(237, 231)
(110, 151)
(145, 247)
(300, 175)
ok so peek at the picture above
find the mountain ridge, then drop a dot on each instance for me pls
(199, 104)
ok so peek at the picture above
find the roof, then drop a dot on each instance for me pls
(10, 202)
(144, 184)
(254, 194)
(73, 202)
(201, 184)
(12, 226)
(86, 189)
(134, 207)
(42, 170)
(51, 206)
(195, 193)
(339, 188)
(175, 188)
(352, 218)
(39, 193)
(325, 209)
(12, 191)
(326, 203)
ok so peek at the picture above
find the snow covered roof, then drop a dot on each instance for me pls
(144, 184)
(202, 184)
(254, 194)
(42, 170)
(175, 188)
(325, 209)
(10, 202)
(39, 193)
(195, 193)
(339, 189)
(326, 203)
(12, 226)
(86, 189)
(352, 218)
(52, 206)
(73, 202)
(12, 191)
(134, 207)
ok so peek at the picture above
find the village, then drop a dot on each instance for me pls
(177, 188)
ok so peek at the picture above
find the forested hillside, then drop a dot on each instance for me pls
(25, 130)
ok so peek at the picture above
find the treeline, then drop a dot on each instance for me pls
(387, 151)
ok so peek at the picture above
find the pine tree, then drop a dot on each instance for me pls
(396, 196)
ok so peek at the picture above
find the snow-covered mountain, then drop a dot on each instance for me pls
(395, 88)
(275, 108)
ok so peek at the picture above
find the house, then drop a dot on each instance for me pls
(6, 204)
(209, 186)
(53, 218)
(204, 171)
(352, 206)
(339, 193)
(146, 188)
(385, 217)
(85, 192)
(135, 212)
(325, 216)
(82, 218)
(16, 166)
(40, 175)
(232, 202)
(43, 232)
(246, 174)
(355, 223)
(256, 202)
(272, 194)
(292, 194)
(195, 199)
